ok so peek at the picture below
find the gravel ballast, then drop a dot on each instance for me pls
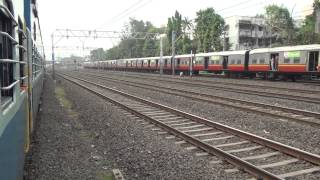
(81, 136)
(290, 133)
(255, 98)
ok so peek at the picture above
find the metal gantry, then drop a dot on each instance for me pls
(84, 35)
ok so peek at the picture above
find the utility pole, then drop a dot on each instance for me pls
(224, 41)
(161, 57)
(317, 23)
(173, 52)
(53, 70)
(191, 63)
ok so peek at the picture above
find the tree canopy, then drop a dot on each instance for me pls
(208, 30)
(280, 22)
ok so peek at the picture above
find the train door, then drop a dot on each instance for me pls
(246, 61)
(313, 60)
(274, 61)
(165, 62)
(206, 62)
(178, 63)
(225, 62)
(148, 63)
(157, 63)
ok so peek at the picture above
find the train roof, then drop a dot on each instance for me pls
(287, 48)
(223, 53)
(183, 56)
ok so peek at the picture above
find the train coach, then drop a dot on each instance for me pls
(221, 62)
(285, 62)
(290, 62)
(21, 82)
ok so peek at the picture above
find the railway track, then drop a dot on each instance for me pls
(231, 89)
(260, 157)
(280, 112)
(256, 86)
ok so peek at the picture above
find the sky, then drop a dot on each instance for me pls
(112, 16)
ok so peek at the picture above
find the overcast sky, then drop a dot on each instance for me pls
(112, 15)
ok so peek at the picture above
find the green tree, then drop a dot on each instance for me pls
(208, 30)
(306, 34)
(150, 47)
(97, 54)
(280, 22)
(181, 27)
(174, 24)
(129, 47)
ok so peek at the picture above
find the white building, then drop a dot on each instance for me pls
(247, 33)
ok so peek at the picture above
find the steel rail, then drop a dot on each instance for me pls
(300, 154)
(197, 96)
(202, 80)
(235, 90)
(259, 173)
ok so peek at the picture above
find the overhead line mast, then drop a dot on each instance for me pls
(82, 35)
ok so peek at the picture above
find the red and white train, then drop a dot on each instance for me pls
(289, 62)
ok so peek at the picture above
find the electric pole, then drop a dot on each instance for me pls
(173, 52)
(83, 35)
(161, 56)
(317, 23)
(53, 70)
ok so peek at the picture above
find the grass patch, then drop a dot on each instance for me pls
(105, 176)
(61, 95)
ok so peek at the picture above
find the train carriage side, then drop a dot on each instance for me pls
(166, 60)
(182, 63)
(21, 82)
(225, 61)
(288, 62)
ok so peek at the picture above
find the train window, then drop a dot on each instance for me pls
(6, 67)
(233, 61)
(296, 60)
(199, 60)
(239, 61)
(286, 60)
(34, 31)
(22, 52)
(262, 61)
(254, 61)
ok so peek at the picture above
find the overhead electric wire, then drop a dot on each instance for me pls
(139, 7)
(263, 2)
(121, 13)
(230, 7)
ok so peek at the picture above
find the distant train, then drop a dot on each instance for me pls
(21, 82)
(289, 62)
